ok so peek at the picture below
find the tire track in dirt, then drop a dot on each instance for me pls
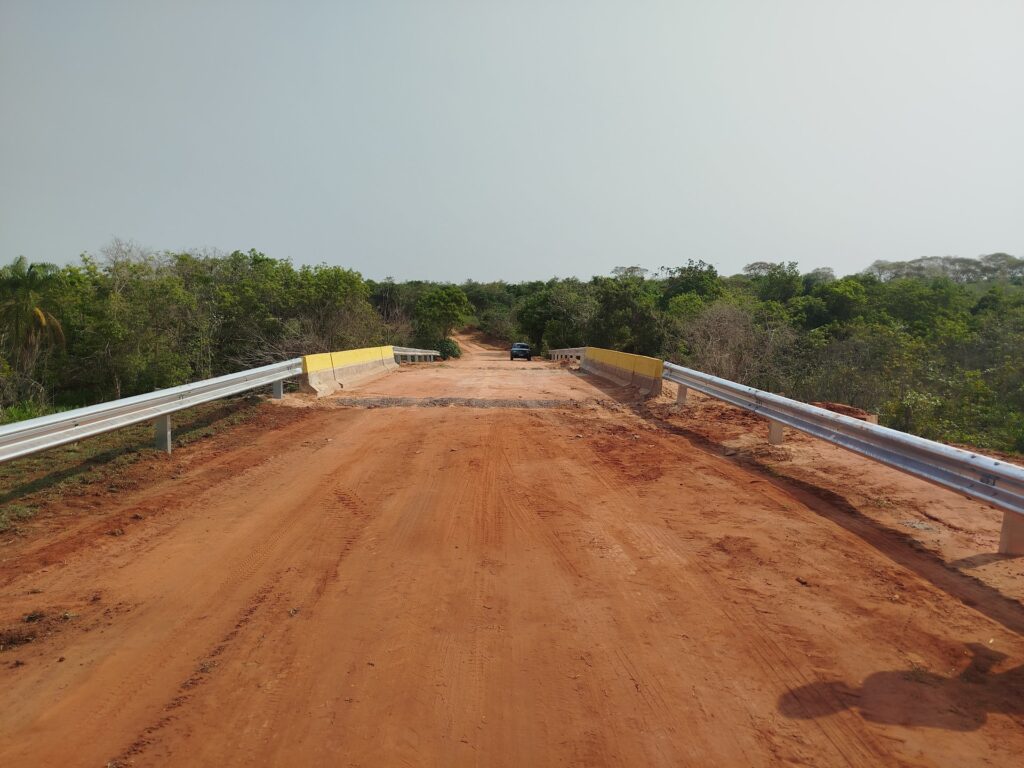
(342, 519)
(854, 745)
(144, 668)
(499, 587)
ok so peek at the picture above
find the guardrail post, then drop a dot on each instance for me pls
(681, 395)
(162, 433)
(774, 432)
(1011, 539)
(277, 390)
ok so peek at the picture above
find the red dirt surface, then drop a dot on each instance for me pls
(595, 581)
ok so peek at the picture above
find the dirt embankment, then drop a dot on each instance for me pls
(606, 583)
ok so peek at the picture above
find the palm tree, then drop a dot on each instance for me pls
(25, 324)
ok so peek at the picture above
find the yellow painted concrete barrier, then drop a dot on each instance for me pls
(327, 372)
(638, 371)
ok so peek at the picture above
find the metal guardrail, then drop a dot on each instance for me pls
(971, 474)
(410, 355)
(32, 435)
(569, 353)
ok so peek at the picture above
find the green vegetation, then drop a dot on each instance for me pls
(12, 514)
(439, 311)
(935, 346)
(932, 345)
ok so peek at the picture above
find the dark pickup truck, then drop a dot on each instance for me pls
(520, 350)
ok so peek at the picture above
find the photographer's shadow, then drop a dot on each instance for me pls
(916, 697)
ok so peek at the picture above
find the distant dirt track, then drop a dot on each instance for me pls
(595, 582)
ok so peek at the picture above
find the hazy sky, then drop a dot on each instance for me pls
(515, 139)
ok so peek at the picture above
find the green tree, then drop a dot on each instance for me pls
(816, 277)
(844, 299)
(626, 316)
(439, 311)
(775, 282)
(533, 314)
(807, 311)
(28, 325)
(571, 308)
(697, 277)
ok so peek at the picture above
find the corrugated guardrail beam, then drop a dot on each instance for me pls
(569, 353)
(981, 477)
(411, 355)
(24, 437)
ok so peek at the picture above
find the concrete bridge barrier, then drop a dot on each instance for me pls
(625, 369)
(328, 372)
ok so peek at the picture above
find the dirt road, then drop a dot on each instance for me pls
(585, 581)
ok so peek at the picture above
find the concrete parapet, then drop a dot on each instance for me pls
(327, 372)
(624, 369)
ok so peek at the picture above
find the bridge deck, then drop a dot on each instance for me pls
(404, 582)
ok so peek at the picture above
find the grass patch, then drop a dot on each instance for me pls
(11, 514)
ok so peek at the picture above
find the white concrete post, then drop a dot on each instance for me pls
(277, 390)
(774, 433)
(162, 433)
(681, 395)
(1011, 539)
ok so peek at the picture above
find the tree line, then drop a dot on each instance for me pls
(129, 321)
(934, 345)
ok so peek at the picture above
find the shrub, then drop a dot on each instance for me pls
(448, 348)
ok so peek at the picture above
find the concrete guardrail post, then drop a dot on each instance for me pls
(681, 395)
(1011, 538)
(775, 433)
(277, 390)
(163, 440)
